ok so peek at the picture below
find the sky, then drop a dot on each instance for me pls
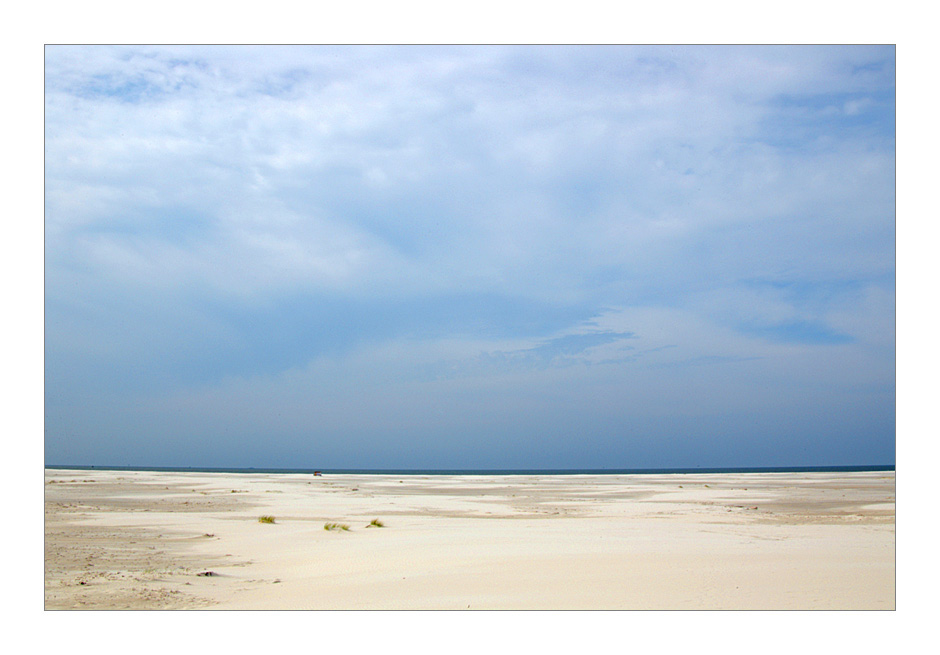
(470, 257)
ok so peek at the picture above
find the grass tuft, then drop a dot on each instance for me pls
(376, 524)
(266, 519)
(335, 526)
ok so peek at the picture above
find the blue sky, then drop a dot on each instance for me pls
(473, 257)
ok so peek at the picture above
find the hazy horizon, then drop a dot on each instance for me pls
(470, 257)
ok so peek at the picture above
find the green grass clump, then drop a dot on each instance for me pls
(335, 526)
(376, 524)
(266, 519)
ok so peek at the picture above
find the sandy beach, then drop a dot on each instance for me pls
(155, 540)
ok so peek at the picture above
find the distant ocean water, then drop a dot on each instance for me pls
(641, 471)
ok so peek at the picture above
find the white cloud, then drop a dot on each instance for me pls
(664, 184)
(492, 154)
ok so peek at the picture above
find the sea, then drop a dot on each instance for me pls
(622, 471)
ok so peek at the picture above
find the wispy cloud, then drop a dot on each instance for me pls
(221, 220)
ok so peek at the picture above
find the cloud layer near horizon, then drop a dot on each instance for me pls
(509, 257)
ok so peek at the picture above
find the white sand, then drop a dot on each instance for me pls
(706, 541)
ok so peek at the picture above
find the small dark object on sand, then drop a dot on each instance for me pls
(206, 574)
